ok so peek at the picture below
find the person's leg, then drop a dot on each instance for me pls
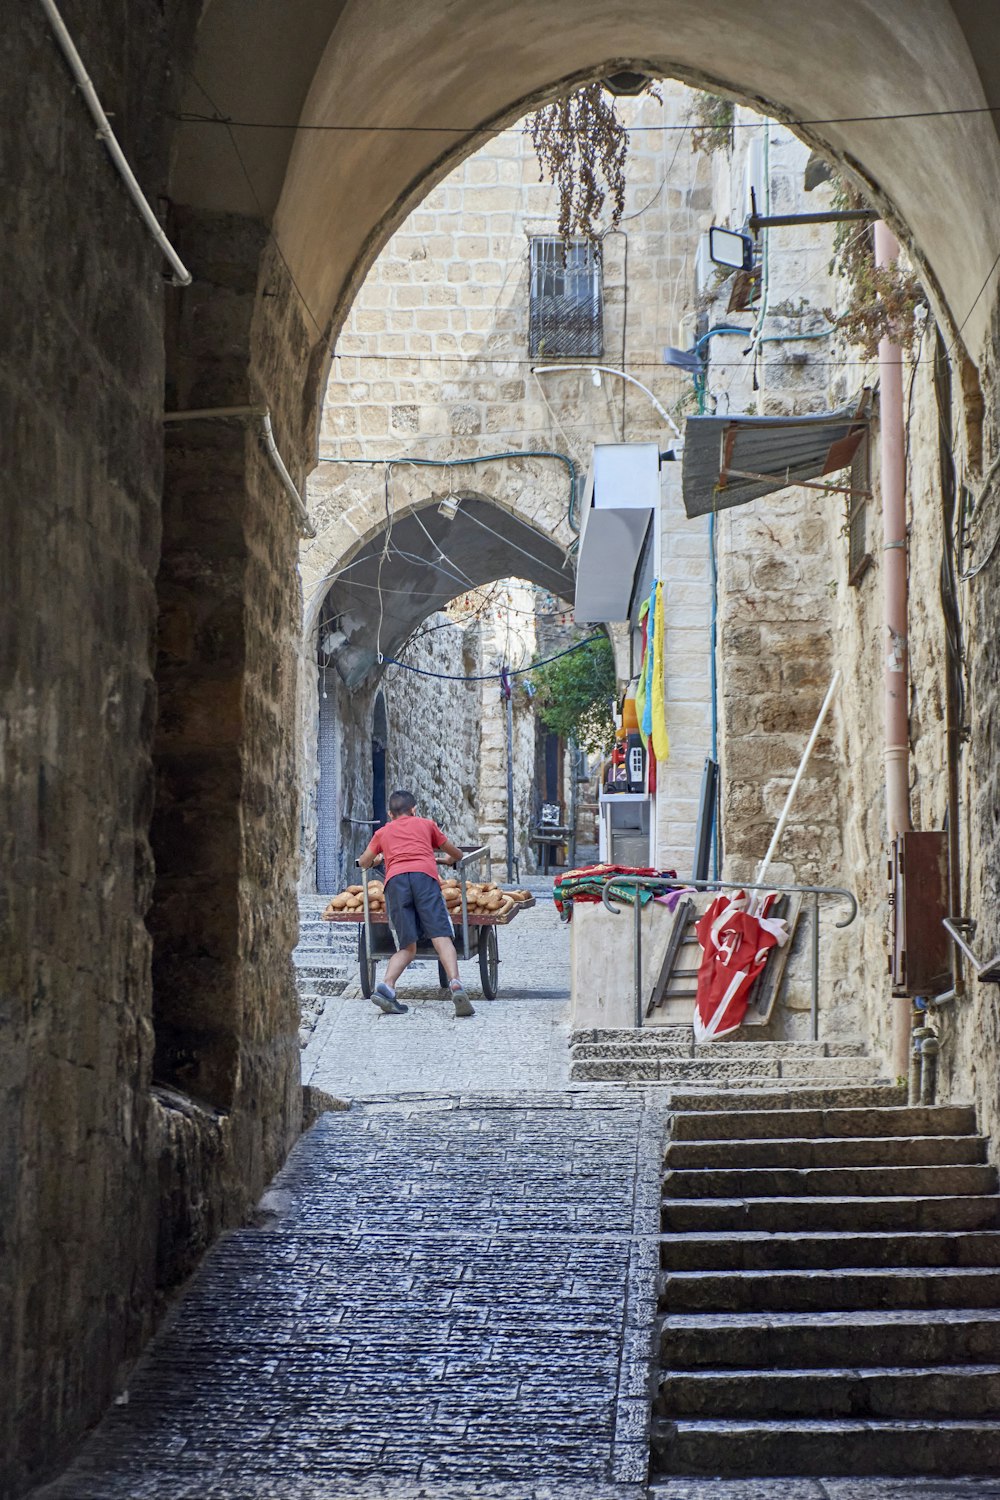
(399, 961)
(445, 950)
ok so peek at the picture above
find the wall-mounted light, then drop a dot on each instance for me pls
(729, 247)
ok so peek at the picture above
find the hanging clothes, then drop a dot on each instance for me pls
(640, 696)
(658, 715)
(646, 721)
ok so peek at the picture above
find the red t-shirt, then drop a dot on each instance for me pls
(408, 845)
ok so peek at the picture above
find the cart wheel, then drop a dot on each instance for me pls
(366, 962)
(489, 962)
(442, 976)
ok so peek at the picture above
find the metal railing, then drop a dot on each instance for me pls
(658, 886)
(959, 929)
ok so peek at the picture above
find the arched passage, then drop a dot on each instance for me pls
(369, 600)
(255, 327)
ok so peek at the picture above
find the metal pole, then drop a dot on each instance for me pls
(814, 1009)
(510, 784)
(831, 216)
(780, 826)
(637, 955)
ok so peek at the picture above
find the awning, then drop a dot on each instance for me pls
(732, 460)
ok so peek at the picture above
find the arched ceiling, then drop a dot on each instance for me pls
(439, 75)
(430, 559)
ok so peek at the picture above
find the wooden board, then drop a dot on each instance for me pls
(476, 919)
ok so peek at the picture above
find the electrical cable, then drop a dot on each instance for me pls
(191, 117)
(492, 676)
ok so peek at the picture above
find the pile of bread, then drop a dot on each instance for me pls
(352, 900)
(483, 898)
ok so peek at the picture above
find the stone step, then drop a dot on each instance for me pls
(851, 1288)
(830, 1182)
(815, 1122)
(737, 1100)
(330, 982)
(655, 1038)
(757, 1251)
(805, 1214)
(713, 1073)
(941, 1391)
(912, 1337)
(831, 1448)
(829, 1151)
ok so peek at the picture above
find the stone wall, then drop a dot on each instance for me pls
(81, 393)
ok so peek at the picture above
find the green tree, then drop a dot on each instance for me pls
(574, 696)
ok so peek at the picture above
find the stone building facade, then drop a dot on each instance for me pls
(434, 363)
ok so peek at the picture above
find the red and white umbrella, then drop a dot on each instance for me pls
(735, 945)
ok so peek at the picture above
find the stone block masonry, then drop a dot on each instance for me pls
(81, 397)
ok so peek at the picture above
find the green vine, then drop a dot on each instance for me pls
(713, 128)
(882, 301)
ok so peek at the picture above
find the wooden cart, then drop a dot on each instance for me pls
(476, 938)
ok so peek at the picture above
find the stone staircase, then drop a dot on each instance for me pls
(326, 960)
(669, 1054)
(829, 1294)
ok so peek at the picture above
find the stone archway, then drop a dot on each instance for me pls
(279, 228)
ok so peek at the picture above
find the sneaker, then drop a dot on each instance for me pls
(386, 1001)
(463, 1005)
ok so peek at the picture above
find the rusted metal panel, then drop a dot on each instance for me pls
(920, 958)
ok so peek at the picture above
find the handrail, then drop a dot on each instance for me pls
(986, 973)
(658, 883)
(648, 881)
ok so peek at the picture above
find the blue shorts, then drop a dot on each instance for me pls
(416, 908)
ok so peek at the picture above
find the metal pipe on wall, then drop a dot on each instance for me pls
(892, 443)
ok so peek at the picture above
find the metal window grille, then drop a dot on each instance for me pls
(566, 299)
(859, 559)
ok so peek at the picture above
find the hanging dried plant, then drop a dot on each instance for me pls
(582, 147)
(881, 301)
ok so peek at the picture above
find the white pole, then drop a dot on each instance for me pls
(780, 826)
(182, 276)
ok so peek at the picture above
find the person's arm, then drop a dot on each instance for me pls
(452, 850)
(371, 856)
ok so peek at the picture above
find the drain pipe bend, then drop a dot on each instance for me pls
(181, 276)
(261, 415)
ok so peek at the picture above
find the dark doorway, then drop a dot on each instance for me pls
(380, 738)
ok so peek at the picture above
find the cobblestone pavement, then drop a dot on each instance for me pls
(519, 1040)
(444, 1297)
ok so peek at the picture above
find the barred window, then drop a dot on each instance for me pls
(566, 303)
(859, 558)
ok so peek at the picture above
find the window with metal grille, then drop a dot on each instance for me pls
(859, 559)
(566, 304)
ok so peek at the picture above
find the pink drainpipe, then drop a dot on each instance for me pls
(897, 688)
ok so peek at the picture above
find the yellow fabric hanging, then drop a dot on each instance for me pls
(661, 740)
(640, 697)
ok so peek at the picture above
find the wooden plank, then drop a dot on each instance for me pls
(682, 916)
(764, 994)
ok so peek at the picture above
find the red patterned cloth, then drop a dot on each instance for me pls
(735, 947)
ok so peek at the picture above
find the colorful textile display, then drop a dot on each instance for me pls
(658, 730)
(643, 697)
(588, 884)
(735, 946)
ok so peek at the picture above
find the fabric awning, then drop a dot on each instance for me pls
(735, 459)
